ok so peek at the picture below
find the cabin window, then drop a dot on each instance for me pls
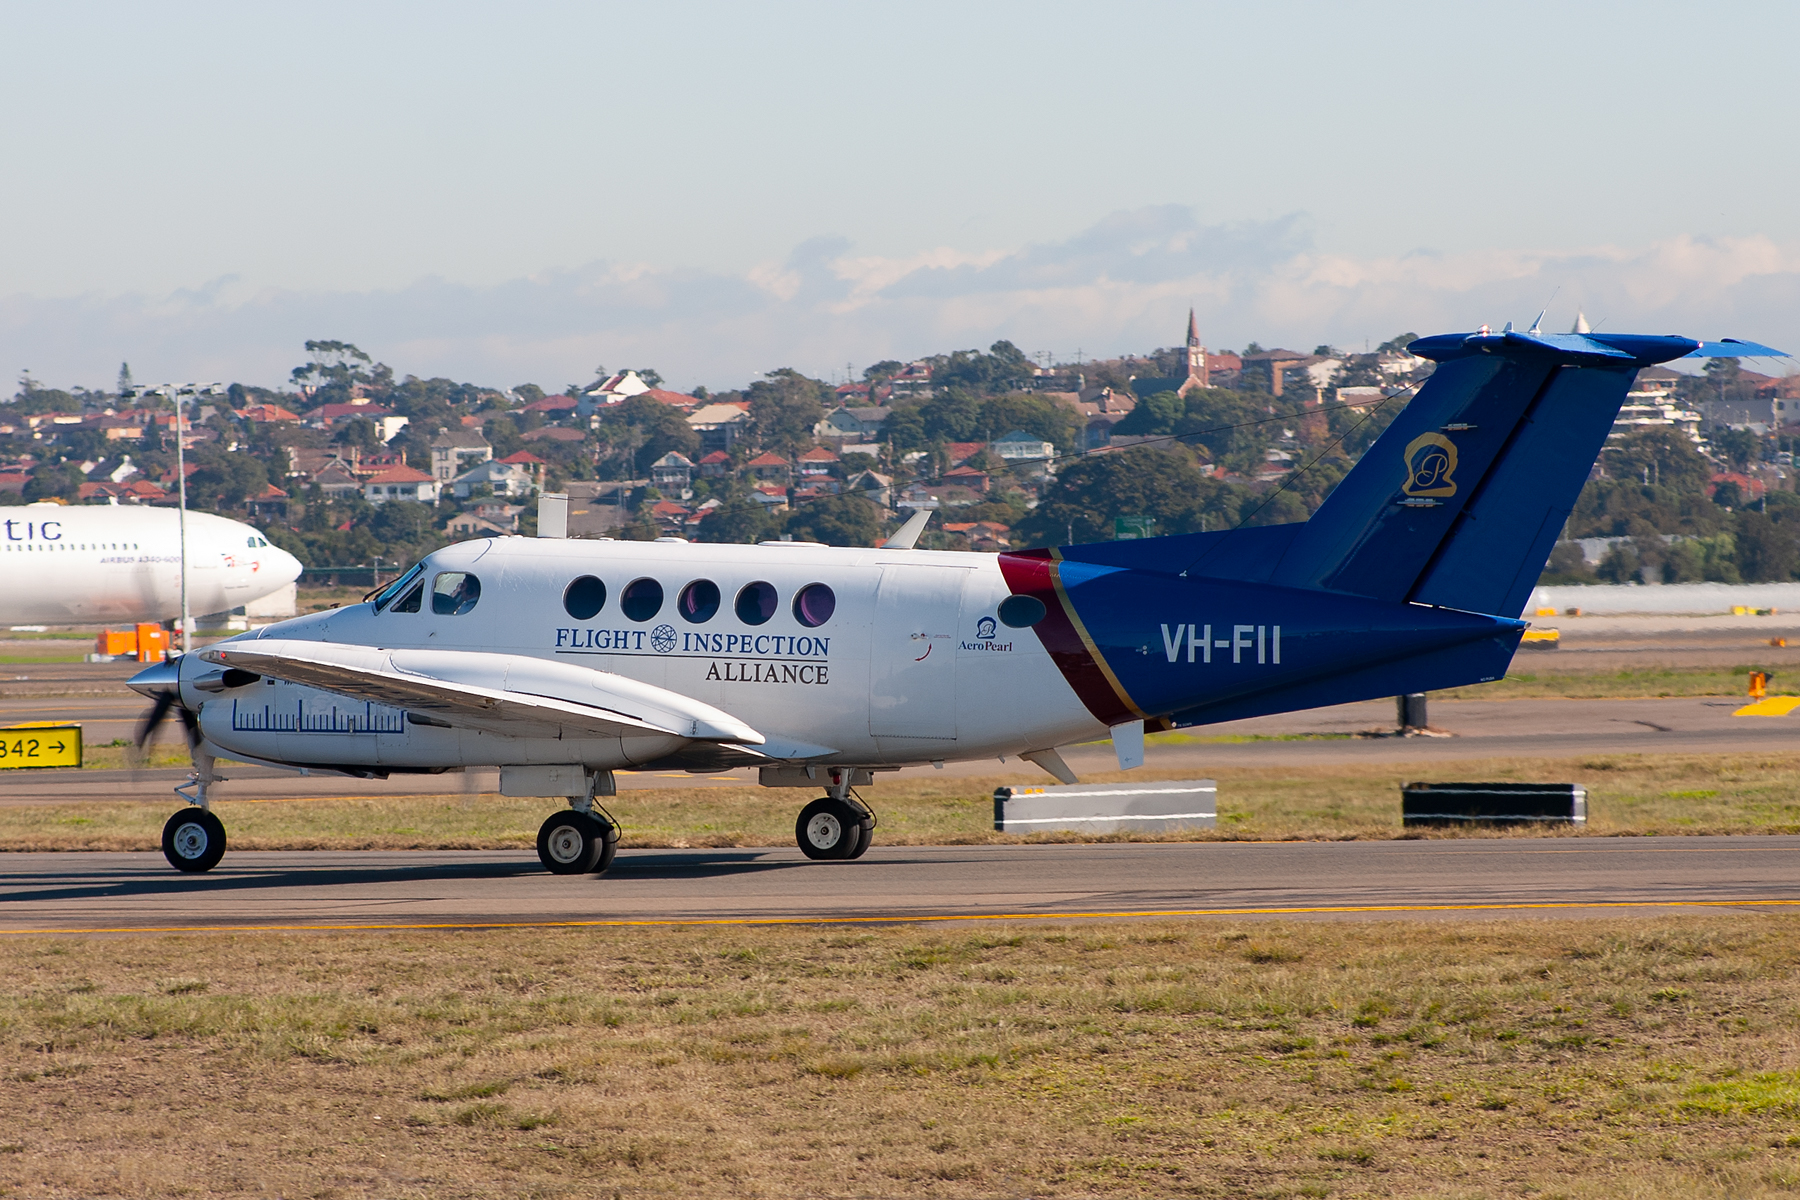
(454, 593)
(814, 604)
(386, 594)
(641, 599)
(584, 598)
(756, 603)
(698, 601)
(1021, 612)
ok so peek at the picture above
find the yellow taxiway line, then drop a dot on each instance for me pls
(903, 919)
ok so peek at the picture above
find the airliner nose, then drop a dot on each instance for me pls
(285, 566)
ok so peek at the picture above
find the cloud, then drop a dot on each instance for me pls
(1123, 284)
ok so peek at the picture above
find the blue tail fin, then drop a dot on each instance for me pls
(1460, 500)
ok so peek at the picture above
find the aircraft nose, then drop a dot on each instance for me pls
(157, 679)
(285, 565)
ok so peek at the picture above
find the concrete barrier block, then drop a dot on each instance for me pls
(1157, 806)
(1493, 803)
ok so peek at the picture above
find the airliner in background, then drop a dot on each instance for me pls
(83, 564)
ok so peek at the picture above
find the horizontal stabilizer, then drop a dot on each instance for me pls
(501, 693)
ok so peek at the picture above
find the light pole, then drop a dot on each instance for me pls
(177, 393)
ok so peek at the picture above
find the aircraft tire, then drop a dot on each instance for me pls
(193, 840)
(829, 829)
(609, 846)
(866, 837)
(571, 843)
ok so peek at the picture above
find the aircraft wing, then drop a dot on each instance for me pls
(500, 693)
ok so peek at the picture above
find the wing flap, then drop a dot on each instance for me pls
(499, 693)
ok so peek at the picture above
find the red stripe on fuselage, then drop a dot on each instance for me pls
(1031, 573)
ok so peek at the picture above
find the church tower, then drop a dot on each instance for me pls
(1196, 354)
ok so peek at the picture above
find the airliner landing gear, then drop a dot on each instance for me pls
(830, 828)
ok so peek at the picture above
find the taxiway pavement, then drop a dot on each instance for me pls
(1497, 877)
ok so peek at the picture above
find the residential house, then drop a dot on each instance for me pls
(270, 504)
(1273, 367)
(680, 400)
(502, 478)
(1019, 446)
(469, 525)
(117, 429)
(849, 395)
(671, 518)
(872, 486)
(913, 381)
(336, 480)
(554, 433)
(768, 468)
(963, 485)
(716, 465)
(673, 470)
(918, 496)
(452, 451)
(720, 425)
(267, 413)
(773, 499)
(327, 415)
(401, 483)
(614, 389)
(986, 537)
(961, 452)
(818, 468)
(552, 407)
(852, 424)
(531, 462)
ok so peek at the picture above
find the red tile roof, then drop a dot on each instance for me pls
(767, 459)
(401, 475)
(523, 456)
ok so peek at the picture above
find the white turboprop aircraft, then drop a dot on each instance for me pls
(85, 563)
(562, 661)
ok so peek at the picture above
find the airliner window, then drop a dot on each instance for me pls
(454, 593)
(584, 598)
(814, 604)
(410, 601)
(698, 601)
(1021, 612)
(393, 589)
(756, 603)
(641, 599)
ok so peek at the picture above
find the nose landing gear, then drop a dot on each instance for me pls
(193, 840)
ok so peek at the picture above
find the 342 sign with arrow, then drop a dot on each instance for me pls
(40, 744)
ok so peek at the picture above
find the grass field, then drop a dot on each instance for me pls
(1531, 1058)
(1628, 794)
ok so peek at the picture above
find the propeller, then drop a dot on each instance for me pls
(161, 682)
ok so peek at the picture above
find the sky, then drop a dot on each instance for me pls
(525, 193)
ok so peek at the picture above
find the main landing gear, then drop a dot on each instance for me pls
(836, 826)
(580, 840)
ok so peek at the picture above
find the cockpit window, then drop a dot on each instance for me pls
(410, 601)
(387, 594)
(454, 593)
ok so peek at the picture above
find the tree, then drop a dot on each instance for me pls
(333, 368)
(55, 481)
(1003, 368)
(836, 521)
(1151, 481)
(1739, 446)
(641, 430)
(786, 405)
(741, 521)
(125, 384)
(1766, 552)
(224, 481)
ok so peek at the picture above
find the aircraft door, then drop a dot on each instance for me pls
(912, 652)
